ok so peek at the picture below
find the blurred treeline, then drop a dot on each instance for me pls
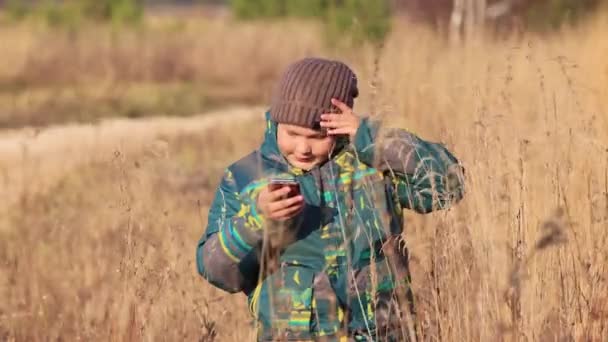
(71, 12)
(83, 60)
(361, 18)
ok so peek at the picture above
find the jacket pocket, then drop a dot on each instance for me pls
(380, 294)
(282, 304)
(327, 313)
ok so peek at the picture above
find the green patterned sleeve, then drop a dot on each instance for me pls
(435, 182)
(226, 254)
(426, 175)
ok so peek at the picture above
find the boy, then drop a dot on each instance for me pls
(324, 262)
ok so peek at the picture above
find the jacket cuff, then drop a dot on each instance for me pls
(233, 244)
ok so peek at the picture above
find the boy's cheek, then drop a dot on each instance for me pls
(286, 148)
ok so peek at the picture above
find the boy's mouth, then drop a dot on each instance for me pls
(304, 159)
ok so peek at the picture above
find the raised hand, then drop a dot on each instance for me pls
(344, 123)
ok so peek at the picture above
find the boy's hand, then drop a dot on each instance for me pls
(346, 123)
(275, 205)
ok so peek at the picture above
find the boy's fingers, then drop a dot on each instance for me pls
(274, 195)
(339, 131)
(341, 105)
(330, 124)
(288, 212)
(331, 117)
(286, 203)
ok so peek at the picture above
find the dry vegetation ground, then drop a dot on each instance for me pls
(103, 249)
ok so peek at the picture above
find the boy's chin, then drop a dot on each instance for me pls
(304, 166)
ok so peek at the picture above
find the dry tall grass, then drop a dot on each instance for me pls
(108, 253)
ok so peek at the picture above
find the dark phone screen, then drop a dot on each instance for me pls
(293, 185)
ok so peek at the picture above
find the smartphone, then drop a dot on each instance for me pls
(277, 182)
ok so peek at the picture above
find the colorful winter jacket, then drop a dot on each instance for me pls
(343, 264)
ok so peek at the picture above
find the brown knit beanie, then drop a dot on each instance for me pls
(306, 88)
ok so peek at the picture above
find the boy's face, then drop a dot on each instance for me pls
(304, 147)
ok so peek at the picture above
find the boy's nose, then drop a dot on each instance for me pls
(303, 148)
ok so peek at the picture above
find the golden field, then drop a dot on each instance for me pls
(97, 237)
